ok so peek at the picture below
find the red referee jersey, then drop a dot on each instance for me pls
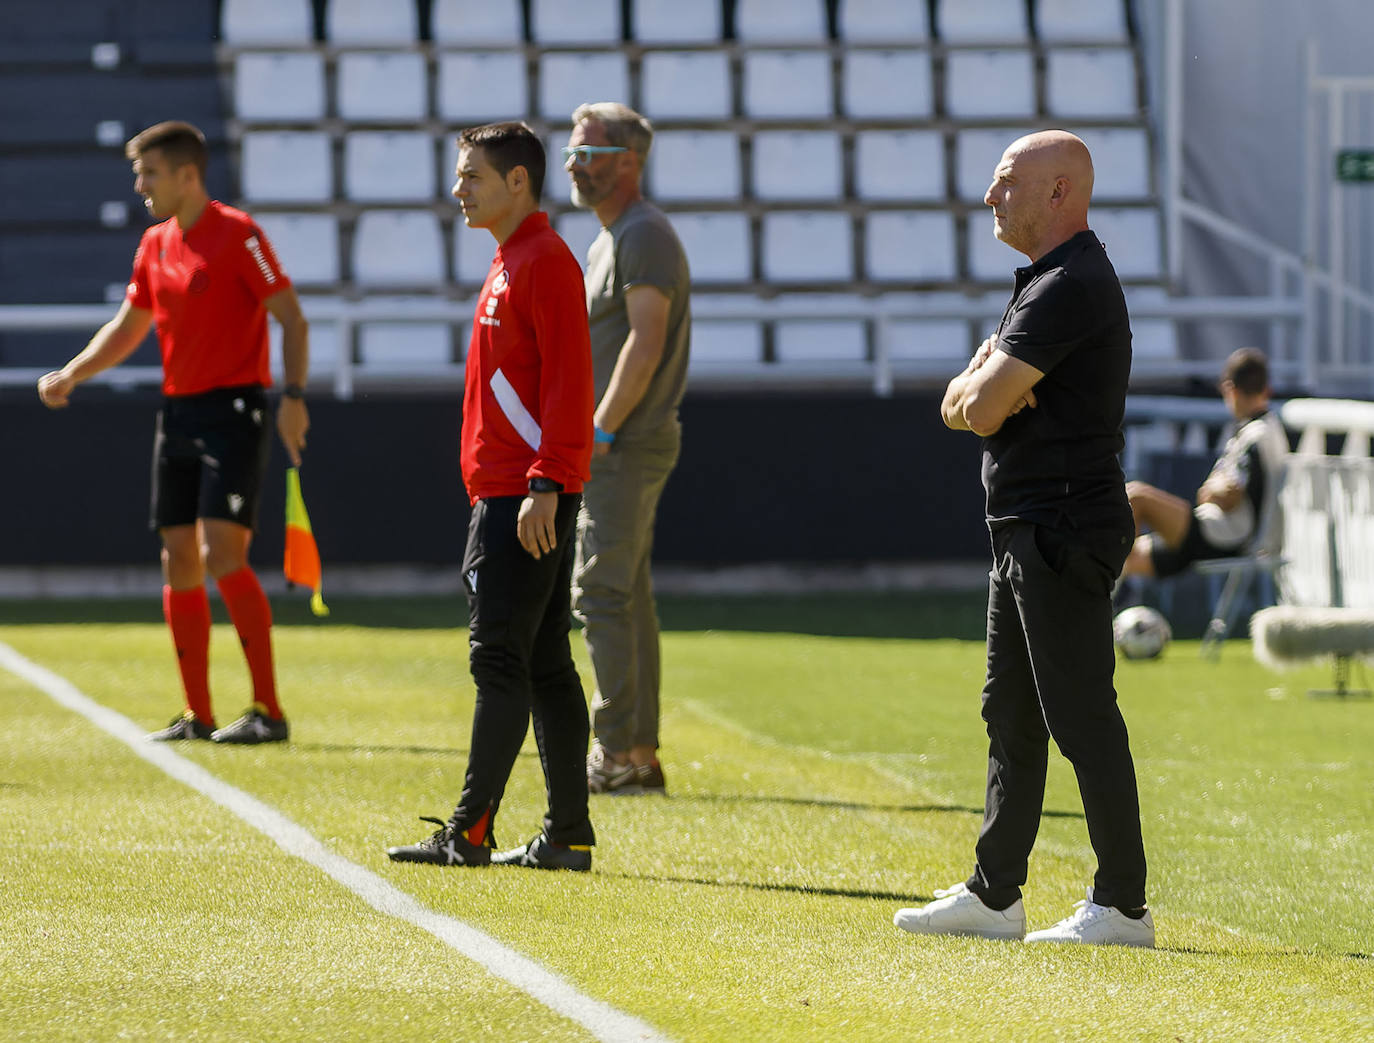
(528, 401)
(205, 287)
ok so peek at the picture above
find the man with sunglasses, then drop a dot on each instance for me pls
(638, 289)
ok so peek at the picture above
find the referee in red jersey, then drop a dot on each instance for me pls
(526, 450)
(206, 277)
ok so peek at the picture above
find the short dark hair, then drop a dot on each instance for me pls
(1248, 370)
(507, 146)
(179, 141)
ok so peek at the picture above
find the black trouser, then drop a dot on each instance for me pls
(1050, 666)
(520, 616)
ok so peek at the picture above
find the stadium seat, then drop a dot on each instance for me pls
(677, 85)
(672, 21)
(694, 164)
(788, 85)
(1121, 162)
(1154, 339)
(884, 22)
(306, 244)
(990, 84)
(38, 268)
(381, 87)
(324, 348)
(1080, 21)
(888, 85)
(397, 248)
(42, 107)
(805, 247)
(77, 187)
(1132, 239)
(578, 228)
(279, 87)
(474, 23)
(266, 21)
(479, 86)
(780, 21)
(725, 342)
(915, 246)
(473, 251)
(820, 340)
(366, 22)
(286, 167)
(587, 21)
(989, 259)
(929, 339)
(718, 246)
(1091, 84)
(976, 155)
(568, 80)
(899, 164)
(982, 22)
(405, 347)
(389, 166)
(798, 164)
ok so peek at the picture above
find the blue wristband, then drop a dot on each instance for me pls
(604, 437)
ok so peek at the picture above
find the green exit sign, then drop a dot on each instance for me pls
(1355, 164)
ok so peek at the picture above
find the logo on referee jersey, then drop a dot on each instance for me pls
(259, 258)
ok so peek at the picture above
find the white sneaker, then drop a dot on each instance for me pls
(1093, 924)
(957, 910)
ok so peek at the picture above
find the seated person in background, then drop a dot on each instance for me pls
(1232, 501)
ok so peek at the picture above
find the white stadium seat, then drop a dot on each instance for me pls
(377, 86)
(324, 348)
(915, 246)
(368, 22)
(926, 339)
(389, 166)
(1121, 162)
(888, 84)
(780, 21)
(976, 155)
(473, 251)
(718, 246)
(287, 167)
(990, 259)
(1131, 238)
(883, 21)
(685, 85)
(899, 164)
(990, 84)
(672, 21)
(266, 21)
(405, 347)
(820, 340)
(568, 80)
(475, 23)
(694, 164)
(306, 244)
(807, 247)
(398, 248)
(798, 164)
(982, 21)
(586, 21)
(722, 342)
(788, 85)
(279, 86)
(1091, 84)
(1079, 21)
(481, 86)
(578, 228)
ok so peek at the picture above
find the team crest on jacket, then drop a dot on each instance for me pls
(502, 280)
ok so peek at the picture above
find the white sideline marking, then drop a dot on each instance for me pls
(601, 1020)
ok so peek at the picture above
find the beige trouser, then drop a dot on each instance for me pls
(613, 592)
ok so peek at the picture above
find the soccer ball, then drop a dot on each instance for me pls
(1141, 632)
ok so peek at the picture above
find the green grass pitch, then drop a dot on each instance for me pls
(825, 765)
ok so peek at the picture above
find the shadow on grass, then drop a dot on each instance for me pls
(848, 805)
(753, 885)
(425, 751)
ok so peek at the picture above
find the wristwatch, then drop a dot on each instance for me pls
(293, 391)
(540, 484)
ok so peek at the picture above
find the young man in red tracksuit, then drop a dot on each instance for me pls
(526, 450)
(207, 276)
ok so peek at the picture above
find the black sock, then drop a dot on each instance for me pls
(1134, 914)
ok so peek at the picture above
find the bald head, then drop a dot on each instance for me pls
(1040, 191)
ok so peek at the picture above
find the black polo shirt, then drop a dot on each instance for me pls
(1057, 464)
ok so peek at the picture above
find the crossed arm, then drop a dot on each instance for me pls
(994, 386)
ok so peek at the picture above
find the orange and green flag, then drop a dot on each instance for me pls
(302, 560)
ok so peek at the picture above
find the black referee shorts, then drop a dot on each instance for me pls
(210, 456)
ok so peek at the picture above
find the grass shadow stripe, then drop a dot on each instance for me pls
(559, 995)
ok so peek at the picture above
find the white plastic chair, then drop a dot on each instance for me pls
(472, 23)
(1121, 162)
(804, 247)
(780, 21)
(1079, 21)
(982, 21)
(473, 251)
(976, 155)
(883, 21)
(389, 166)
(279, 86)
(899, 164)
(382, 87)
(888, 85)
(1132, 240)
(672, 21)
(910, 246)
(286, 167)
(694, 164)
(266, 21)
(397, 248)
(990, 84)
(568, 80)
(929, 340)
(685, 85)
(798, 164)
(371, 23)
(481, 86)
(989, 259)
(579, 229)
(405, 347)
(586, 21)
(1091, 84)
(306, 244)
(819, 340)
(788, 85)
(724, 342)
(718, 246)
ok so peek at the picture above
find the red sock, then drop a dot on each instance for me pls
(252, 617)
(188, 617)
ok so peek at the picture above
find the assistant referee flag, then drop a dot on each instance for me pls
(301, 562)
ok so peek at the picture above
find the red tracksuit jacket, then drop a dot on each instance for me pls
(528, 396)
